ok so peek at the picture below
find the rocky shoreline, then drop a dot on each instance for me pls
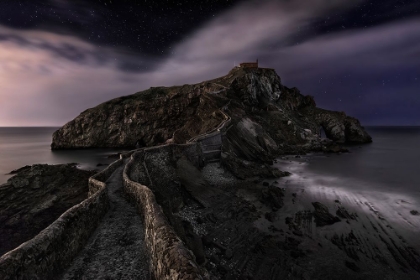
(262, 228)
(35, 197)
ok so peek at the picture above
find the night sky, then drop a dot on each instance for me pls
(58, 57)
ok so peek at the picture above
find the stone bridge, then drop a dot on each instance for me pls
(105, 236)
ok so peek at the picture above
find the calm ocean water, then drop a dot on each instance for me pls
(20, 146)
(390, 163)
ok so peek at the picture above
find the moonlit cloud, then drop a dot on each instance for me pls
(41, 86)
(48, 79)
(244, 33)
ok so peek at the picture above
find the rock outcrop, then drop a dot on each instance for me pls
(323, 216)
(268, 118)
(248, 140)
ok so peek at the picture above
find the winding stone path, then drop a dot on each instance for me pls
(116, 250)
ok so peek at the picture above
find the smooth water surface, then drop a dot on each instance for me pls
(20, 146)
(392, 161)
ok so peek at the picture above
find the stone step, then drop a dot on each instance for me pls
(213, 154)
(211, 147)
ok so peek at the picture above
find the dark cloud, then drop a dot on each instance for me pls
(147, 27)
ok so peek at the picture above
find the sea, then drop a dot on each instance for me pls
(386, 169)
(21, 146)
(391, 163)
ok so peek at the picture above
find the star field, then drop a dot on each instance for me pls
(150, 27)
(360, 56)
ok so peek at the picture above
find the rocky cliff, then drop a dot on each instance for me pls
(267, 117)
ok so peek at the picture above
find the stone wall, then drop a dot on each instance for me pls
(46, 255)
(169, 257)
(97, 181)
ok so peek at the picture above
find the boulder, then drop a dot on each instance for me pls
(414, 212)
(272, 197)
(322, 215)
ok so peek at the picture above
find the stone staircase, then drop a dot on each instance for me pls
(212, 156)
(211, 146)
(211, 142)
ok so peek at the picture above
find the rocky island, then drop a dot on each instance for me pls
(255, 99)
(212, 204)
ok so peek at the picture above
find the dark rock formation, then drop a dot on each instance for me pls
(272, 197)
(344, 214)
(352, 266)
(244, 169)
(267, 118)
(35, 197)
(334, 148)
(322, 215)
(340, 127)
(248, 140)
(16, 171)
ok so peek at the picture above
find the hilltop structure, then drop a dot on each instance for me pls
(249, 64)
